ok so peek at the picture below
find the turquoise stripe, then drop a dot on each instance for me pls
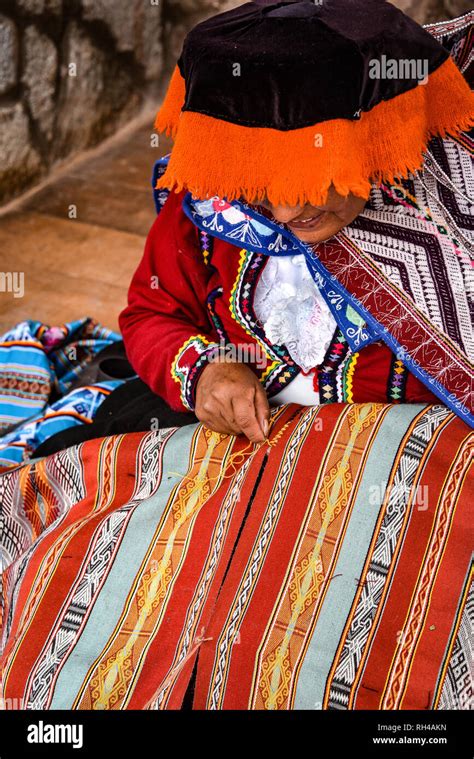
(25, 356)
(108, 606)
(340, 595)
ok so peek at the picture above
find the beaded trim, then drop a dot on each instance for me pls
(282, 369)
(349, 377)
(216, 321)
(330, 372)
(206, 243)
(397, 381)
(187, 364)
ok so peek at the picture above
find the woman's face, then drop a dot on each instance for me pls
(313, 224)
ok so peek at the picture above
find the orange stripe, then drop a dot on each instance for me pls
(22, 344)
(48, 577)
(168, 115)
(73, 414)
(431, 643)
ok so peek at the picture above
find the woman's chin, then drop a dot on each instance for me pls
(313, 236)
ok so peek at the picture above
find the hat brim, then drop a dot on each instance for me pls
(212, 157)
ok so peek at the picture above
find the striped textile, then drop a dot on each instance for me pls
(38, 365)
(327, 570)
(77, 407)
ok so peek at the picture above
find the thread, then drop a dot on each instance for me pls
(237, 459)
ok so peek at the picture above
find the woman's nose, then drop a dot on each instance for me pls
(284, 214)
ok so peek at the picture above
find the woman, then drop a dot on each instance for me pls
(301, 139)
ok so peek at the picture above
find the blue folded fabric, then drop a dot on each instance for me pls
(38, 366)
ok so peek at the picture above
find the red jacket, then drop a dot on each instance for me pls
(191, 293)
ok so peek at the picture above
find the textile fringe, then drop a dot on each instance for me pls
(169, 113)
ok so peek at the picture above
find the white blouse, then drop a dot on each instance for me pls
(293, 312)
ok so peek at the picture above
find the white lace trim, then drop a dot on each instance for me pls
(293, 312)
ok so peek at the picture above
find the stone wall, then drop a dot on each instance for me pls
(74, 71)
(431, 11)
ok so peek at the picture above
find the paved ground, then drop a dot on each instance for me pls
(81, 266)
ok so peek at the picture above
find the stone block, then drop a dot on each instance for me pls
(135, 26)
(40, 63)
(38, 7)
(96, 94)
(20, 162)
(118, 16)
(8, 54)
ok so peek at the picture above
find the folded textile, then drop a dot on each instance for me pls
(39, 365)
(77, 408)
(327, 569)
(132, 407)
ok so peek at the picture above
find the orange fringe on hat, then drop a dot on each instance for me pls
(212, 157)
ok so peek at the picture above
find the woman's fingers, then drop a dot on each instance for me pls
(245, 415)
(262, 408)
(216, 418)
(229, 399)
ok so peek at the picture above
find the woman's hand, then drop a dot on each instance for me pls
(230, 399)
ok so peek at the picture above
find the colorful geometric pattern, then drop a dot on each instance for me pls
(38, 365)
(454, 688)
(282, 368)
(328, 569)
(331, 371)
(188, 363)
(421, 254)
(240, 224)
(397, 381)
(76, 408)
